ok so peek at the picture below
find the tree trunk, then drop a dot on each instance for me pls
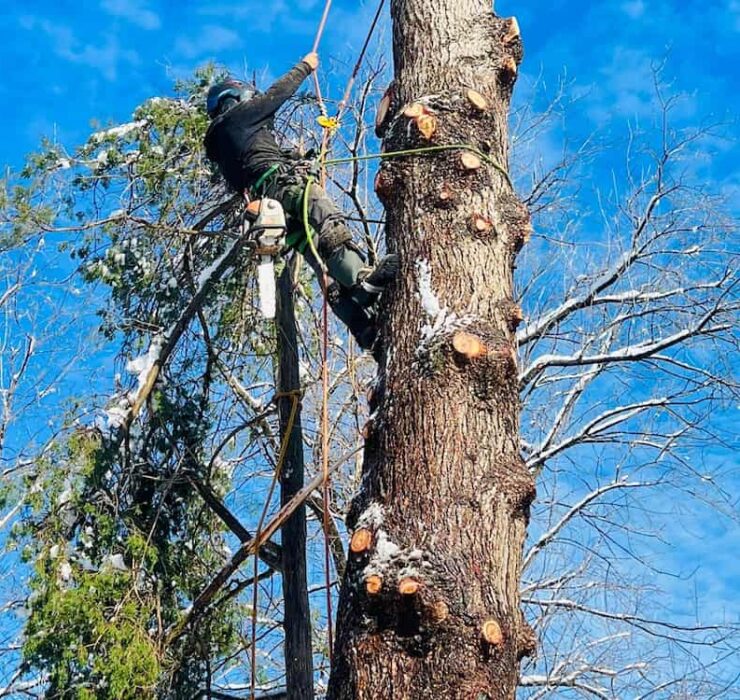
(431, 607)
(297, 621)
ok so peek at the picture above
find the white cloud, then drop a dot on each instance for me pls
(134, 11)
(211, 39)
(104, 56)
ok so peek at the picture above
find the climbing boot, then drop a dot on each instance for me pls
(359, 320)
(345, 265)
(371, 282)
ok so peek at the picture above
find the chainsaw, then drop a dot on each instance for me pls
(267, 229)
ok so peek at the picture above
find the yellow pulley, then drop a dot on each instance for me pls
(331, 123)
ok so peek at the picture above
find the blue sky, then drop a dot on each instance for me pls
(67, 63)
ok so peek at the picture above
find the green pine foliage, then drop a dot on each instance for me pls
(119, 542)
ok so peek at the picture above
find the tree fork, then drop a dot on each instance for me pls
(442, 474)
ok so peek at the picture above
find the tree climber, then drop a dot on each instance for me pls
(241, 141)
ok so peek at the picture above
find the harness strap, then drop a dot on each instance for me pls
(266, 176)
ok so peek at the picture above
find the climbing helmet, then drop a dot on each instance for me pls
(226, 88)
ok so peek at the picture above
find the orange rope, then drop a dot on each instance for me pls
(326, 138)
(325, 363)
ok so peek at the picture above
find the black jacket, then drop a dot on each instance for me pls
(241, 141)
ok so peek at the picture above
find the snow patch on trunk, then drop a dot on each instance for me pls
(384, 553)
(429, 299)
(441, 321)
(372, 517)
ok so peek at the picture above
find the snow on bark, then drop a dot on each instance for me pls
(384, 552)
(442, 323)
(372, 517)
(142, 365)
(429, 299)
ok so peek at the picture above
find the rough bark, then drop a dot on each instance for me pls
(297, 622)
(445, 491)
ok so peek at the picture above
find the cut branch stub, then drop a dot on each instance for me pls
(477, 100)
(373, 584)
(509, 70)
(383, 113)
(513, 32)
(527, 232)
(361, 541)
(481, 224)
(491, 633)
(415, 110)
(469, 161)
(516, 316)
(445, 195)
(468, 346)
(527, 642)
(367, 429)
(383, 185)
(427, 125)
(508, 354)
(439, 611)
(408, 586)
